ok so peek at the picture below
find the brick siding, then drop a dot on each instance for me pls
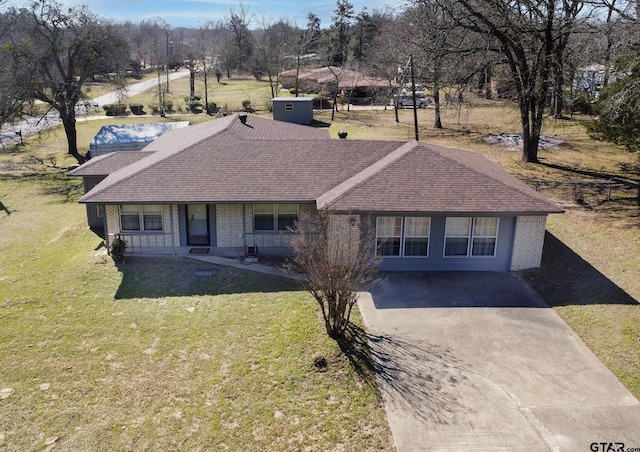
(528, 241)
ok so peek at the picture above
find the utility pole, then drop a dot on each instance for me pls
(167, 61)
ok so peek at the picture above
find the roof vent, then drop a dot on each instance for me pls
(342, 134)
(243, 118)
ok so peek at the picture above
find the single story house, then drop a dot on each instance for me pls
(241, 181)
(334, 79)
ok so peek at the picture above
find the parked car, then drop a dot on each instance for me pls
(407, 101)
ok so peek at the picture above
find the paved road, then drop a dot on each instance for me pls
(33, 126)
(476, 361)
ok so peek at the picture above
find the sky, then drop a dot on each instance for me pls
(193, 13)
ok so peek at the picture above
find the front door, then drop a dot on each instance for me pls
(198, 225)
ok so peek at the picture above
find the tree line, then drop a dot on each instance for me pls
(530, 51)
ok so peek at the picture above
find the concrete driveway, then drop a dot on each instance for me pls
(476, 361)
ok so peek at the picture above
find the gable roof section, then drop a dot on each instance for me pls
(108, 163)
(431, 179)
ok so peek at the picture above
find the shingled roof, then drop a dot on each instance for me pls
(225, 161)
(108, 163)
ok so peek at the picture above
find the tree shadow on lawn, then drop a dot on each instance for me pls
(166, 276)
(420, 378)
(565, 279)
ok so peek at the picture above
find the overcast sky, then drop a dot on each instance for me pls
(192, 13)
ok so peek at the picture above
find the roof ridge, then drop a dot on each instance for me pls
(530, 193)
(355, 181)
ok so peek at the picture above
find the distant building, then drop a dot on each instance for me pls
(298, 110)
(591, 79)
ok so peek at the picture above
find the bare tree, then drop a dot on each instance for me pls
(209, 48)
(337, 256)
(55, 50)
(529, 35)
(242, 42)
(272, 43)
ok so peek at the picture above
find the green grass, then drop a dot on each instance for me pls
(149, 356)
(229, 93)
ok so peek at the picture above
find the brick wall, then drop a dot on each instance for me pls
(344, 237)
(528, 241)
(229, 224)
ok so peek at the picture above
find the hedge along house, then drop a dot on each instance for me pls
(235, 182)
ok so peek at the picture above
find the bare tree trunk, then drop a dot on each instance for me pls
(436, 104)
(69, 124)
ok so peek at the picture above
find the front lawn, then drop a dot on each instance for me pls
(149, 356)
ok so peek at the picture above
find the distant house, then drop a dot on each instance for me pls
(332, 79)
(591, 79)
(228, 184)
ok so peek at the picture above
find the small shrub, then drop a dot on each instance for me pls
(136, 109)
(168, 105)
(212, 108)
(115, 109)
(117, 250)
(155, 108)
(246, 106)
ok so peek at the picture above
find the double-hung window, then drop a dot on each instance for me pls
(388, 236)
(403, 236)
(485, 235)
(274, 217)
(152, 217)
(466, 236)
(416, 236)
(456, 242)
(140, 218)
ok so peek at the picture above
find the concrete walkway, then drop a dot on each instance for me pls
(476, 361)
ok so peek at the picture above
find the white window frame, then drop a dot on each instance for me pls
(140, 208)
(471, 235)
(380, 239)
(475, 235)
(456, 236)
(402, 236)
(275, 212)
(406, 235)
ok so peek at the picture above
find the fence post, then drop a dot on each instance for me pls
(609, 190)
(538, 185)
